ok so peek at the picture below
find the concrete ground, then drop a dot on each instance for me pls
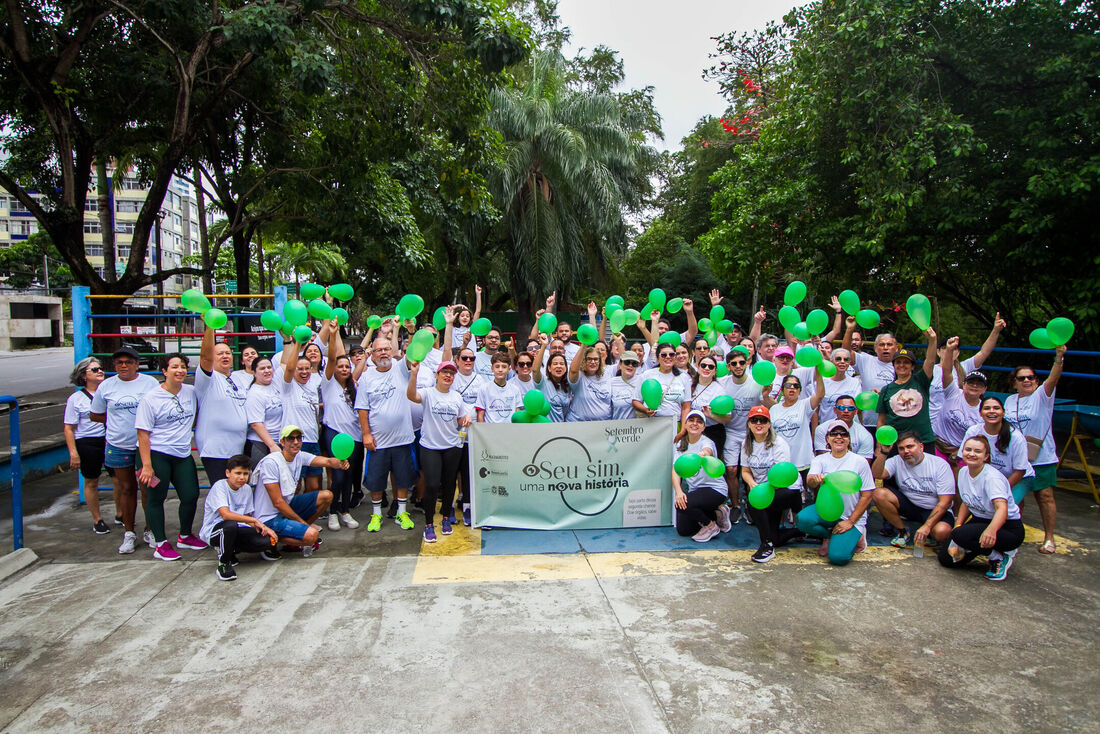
(376, 633)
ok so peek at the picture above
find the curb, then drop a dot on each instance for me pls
(14, 562)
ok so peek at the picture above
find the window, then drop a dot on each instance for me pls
(92, 227)
(16, 206)
(23, 227)
(93, 250)
(3, 225)
(127, 206)
(91, 204)
(132, 184)
(124, 227)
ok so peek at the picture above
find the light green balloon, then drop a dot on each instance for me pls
(674, 305)
(849, 301)
(830, 505)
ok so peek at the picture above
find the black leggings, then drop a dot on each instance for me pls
(343, 481)
(214, 468)
(702, 505)
(968, 536)
(179, 473)
(440, 468)
(229, 538)
(464, 475)
(256, 450)
(717, 433)
(768, 520)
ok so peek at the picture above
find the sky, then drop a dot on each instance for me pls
(665, 43)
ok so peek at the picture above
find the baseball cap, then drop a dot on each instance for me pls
(834, 425)
(759, 411)
(696, 413)
(904, 354)
(289, 429)
(976, 376)
(446, 366)
(784, 351)
(126, 352)
(629, 356)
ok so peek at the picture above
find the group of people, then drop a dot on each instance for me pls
(962, 462)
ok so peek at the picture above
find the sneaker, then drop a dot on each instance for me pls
(404, 521)
(225, 572)
(764, 553)
(723, 520)
(350, 521)
(118, 519)
(375, 524)
(234, 561)
(191, 542)
(745, 512)
(270, 554)
(149, 539)
(429, 534)
(901, 538)
(129, 538)
(466, 517)
(333, 522)
(998, 570)
(706, 532)
(451, 518)
(445, 526)
(735, 514)
(356, 499)
(101, 528)
(887, 530)
(165, 552)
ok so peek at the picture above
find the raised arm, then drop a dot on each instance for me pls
(1055, 370)
(930, 354)
(757, 324)
(411, 392)
(289, 362)
(335, 349)
(575, 366)
(990, 342)
(819, 392)
(603, 325)
(950, 354)
(536, 373)
(838, 320)
(449, 319)
(846, 342)
(477, 303)
(693, 323)
(206, 351)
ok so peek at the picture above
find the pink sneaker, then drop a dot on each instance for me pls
(193, 542)
(166, 552)
(706, 532)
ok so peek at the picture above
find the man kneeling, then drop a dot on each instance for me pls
(228, 524)
(924, 492)
(291, 515)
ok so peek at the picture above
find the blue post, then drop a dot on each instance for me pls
(82, 323)
(16, 472)
(280, 301)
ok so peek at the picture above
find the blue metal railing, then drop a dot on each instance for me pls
(16, 471)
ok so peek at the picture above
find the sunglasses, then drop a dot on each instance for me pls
(701, 349)
(667, 355)
(705, 366)
(95, 369)
(1025, 378)
(833, 434)
(524, 364)
(758, 421)
(792, 386)
(784, 357)
(845, 408)
(465, 359)
(738, 363)
(294, 438)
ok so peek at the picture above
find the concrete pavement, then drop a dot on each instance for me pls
(30, 371)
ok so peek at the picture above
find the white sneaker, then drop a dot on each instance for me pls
(129, 539)
(149, 539)
(348, 520)
(333, 521)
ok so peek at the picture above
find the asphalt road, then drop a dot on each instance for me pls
(35, 370)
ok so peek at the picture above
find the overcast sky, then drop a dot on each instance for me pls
(665, 43)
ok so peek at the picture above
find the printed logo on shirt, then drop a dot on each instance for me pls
(176, 413)
(906, 402)
(446, 410)
(232, 391)
(307, 394)
(787, 426)
(919, 485)
(126, 403)
(381, 392)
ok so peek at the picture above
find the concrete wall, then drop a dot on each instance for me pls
(30, 320)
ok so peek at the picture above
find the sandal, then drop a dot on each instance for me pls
(1047, 547)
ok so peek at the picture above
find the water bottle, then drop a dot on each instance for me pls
(918, 550)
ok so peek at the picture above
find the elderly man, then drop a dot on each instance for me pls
(875, 371)
(923, 491)
(863, 443)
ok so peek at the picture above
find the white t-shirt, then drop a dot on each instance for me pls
(169, 419)
(521, 385)
(458, 333)
(384, 395)
(559, 399)
(827, 464)
(300, 404)
(745, 397)
(483, 365)
(622, 397)
(701, 395)
(238, 501)
(862, 442)
(119, 399)
(241, 378)
(264, 404)
(849, 386)
(978, 493)
(1032, 415)
(498, 403)
(222, 426)
(274, 469)
(77, 408)
(935, 390)
(873, 375)
(924, 483)
(702, 480)
(793, 424)
(764, 458)
(955, 415)
(676, 389)
(1007, 462)
(467, 386)
(441, 412)
(340, 413)
(591, 399)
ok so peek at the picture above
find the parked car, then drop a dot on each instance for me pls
(143, 347)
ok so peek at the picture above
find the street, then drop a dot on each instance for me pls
(34, 370)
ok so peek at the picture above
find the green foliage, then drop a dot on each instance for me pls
(21, 263)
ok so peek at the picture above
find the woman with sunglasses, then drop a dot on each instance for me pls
(785, 366)
(164, 423)
(263, 408)
(839, 384)
(989, 521)
(466, 383)
(1031, 411)
(523, 366)
(222, 426)
(791, 417)
(553, 381)
(705, 388)
(243, 376)
(338, 392)
(591, 394)
(1007, 446)
(760, 451)
(675, 387)
(85, 437)
(623, 385)
(701, 511)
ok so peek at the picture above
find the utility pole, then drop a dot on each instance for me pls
(160, 283)
(46, 273)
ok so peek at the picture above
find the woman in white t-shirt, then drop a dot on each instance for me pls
(591, 393)
(165, 429)
(989, 519)
(791, 417)
(762, 450)
(701, 510)
(263, 408)
(245, 375)
(623, 385)
(675, 387)
(85, 437)
(338, 396)
(1008, 447)
(553, 381)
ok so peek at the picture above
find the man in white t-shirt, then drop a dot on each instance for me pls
(922, 489)
(844, 410)
(875, 371)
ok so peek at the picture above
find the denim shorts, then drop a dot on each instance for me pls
(312, 447)
(116, 458)
(304, 505)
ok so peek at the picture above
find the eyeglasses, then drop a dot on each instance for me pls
(705, 366)
(1024, 378)
(295, 438)
(845, 408)
(95, 369)
(784, 357)
(592, 360)
(465, 359)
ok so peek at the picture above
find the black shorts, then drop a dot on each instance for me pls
(90, 450)
(380, 462)
(909, 511)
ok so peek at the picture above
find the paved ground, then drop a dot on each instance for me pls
(375, 632)
(30, 371)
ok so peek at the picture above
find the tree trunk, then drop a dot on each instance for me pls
(241, 255)
(204, 240)
(260, 263)
(106, 219)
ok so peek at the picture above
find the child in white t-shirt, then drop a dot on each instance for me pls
(228, 524)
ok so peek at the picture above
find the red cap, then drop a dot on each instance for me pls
(759, 411)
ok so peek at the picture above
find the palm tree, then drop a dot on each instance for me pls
(570, 169)
(322, 263)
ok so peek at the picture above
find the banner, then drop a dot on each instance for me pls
(561, 476)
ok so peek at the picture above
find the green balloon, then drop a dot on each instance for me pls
(611, 308)
(548, 323)
(1060, 330)
(674, 305)
(808, 357)
(295, 312)
(919, 309)
(867, 400)
(783, 475)
(439, 319)
(830, 505)
(795, 293)
(215, 318)
(341, 291)
(480, 327)
(670, 337)
(194, 300)
(652, 393)
(717, 313)
(763, 373)
(788, 317)
(849, 301)
(721, 370)
(761, 496)
(705, 324)
(617, 299)
(688, 465)
(521, 416)
(410, 306)
(303, 334)
(801, 331)
(711, 337)
(318, 309)
(828, 369)
(725, 326)
(743, 349)
(341, 315)
(533, 402)
(309, 291)
(658, 299)
(817, 321)
(374, 321)
(1040, 339)
(541, 418)
(845, 481)
(618, 321)
(722, 405)
(342, 446)
(631, 316)
(271, 320)
(648, 309)
(886, 435)
(420, 344)
(713, 466)
(587, 334)
(868, 319)
(546, 407)
(286, 329)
